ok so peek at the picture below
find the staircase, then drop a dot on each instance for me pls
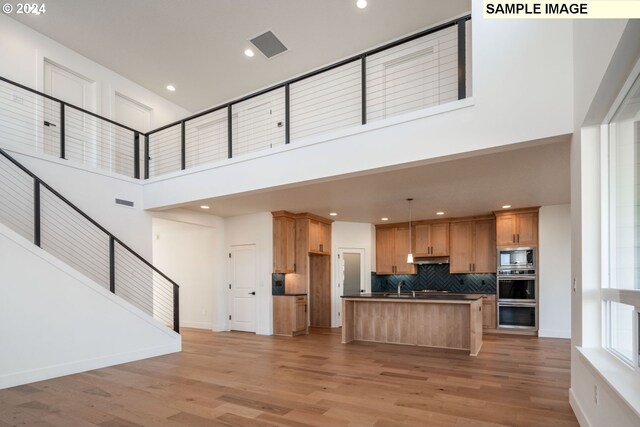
(40, 214)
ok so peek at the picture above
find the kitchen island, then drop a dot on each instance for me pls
(430, 320)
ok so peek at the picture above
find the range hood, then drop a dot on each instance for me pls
(432, 260)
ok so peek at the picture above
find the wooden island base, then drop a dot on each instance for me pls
(454, 324)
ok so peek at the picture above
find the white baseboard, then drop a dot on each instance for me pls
(577, 409)
(54, 371)
(197, 325)
(264, 331)
(554, 333)
(219, 327)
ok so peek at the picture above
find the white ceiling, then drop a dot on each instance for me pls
(533, 174)
(198, 45)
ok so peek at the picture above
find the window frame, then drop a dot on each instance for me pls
(609, 294)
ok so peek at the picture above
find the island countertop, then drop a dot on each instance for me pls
(417, 297)
(434, 319)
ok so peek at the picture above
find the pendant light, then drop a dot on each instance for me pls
(410, 255)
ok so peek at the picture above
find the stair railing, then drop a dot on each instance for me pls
(35, 210)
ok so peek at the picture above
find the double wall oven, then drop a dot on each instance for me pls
(517, 283)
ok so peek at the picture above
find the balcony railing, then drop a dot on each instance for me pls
(419, 71)
(422, 70)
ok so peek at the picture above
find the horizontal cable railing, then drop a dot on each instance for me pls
(36, 211)
(39, 122)
(419, 71)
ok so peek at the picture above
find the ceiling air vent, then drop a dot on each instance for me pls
(268, 44)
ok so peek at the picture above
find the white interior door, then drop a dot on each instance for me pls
(243, 281)
(81, 130)
(350, 274)
(135, 115)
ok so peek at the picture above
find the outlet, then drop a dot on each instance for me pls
(596, 396)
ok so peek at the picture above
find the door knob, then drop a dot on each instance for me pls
(252, 293)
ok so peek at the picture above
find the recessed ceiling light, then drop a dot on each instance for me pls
(333, 214)
(506, 206)
(249, 53)
(204, 207)
(361, 4)
(171, 88)
(384, 219)
(439, 213)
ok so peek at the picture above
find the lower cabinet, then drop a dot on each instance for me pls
(290, 315)
(489, 320)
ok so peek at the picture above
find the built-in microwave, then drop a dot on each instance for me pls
(520, 258)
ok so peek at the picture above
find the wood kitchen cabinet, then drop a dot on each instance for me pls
(489, 320)
(313, 266)
(431, 239)
(290, 315)
(319, 237)
(472, 245)
(392, 248)
(517, 227)
(284, 242)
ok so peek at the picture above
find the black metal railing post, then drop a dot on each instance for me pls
(63, 152)
(287, 114)
(363, 66)
(146, 156)
(183, 145)
(112, 264)
(136, 155)
(176, 308)
(462, 59)
(230, 131)
(36, 213)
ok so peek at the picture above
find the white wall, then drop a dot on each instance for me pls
(188, 254)
(254, 229)
(554, 263)
(603, 52)
(522, 87)
(95, 194)
(23, 51)
(54, 321)
(349, 235)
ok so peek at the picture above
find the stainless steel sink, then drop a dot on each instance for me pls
(398, 296)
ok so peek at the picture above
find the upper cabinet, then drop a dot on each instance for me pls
(392, 248)
(431, 239)
(319, 236)
(311, 233)
(473, 247)
(284, 242)
(517, 227)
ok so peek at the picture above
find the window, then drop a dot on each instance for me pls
(621, 297)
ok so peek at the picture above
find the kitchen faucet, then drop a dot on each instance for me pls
(401, 284)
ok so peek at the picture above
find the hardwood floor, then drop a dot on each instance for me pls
(240, 379)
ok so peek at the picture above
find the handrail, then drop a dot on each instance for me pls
(66, 104)
(112, 238)
(316, 72)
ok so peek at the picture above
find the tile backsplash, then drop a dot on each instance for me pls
(436, 277)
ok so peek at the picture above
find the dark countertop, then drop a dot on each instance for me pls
(289, 295)
(419, 296)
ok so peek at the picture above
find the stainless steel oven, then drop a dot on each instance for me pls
(517, 288)
(513, 315)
